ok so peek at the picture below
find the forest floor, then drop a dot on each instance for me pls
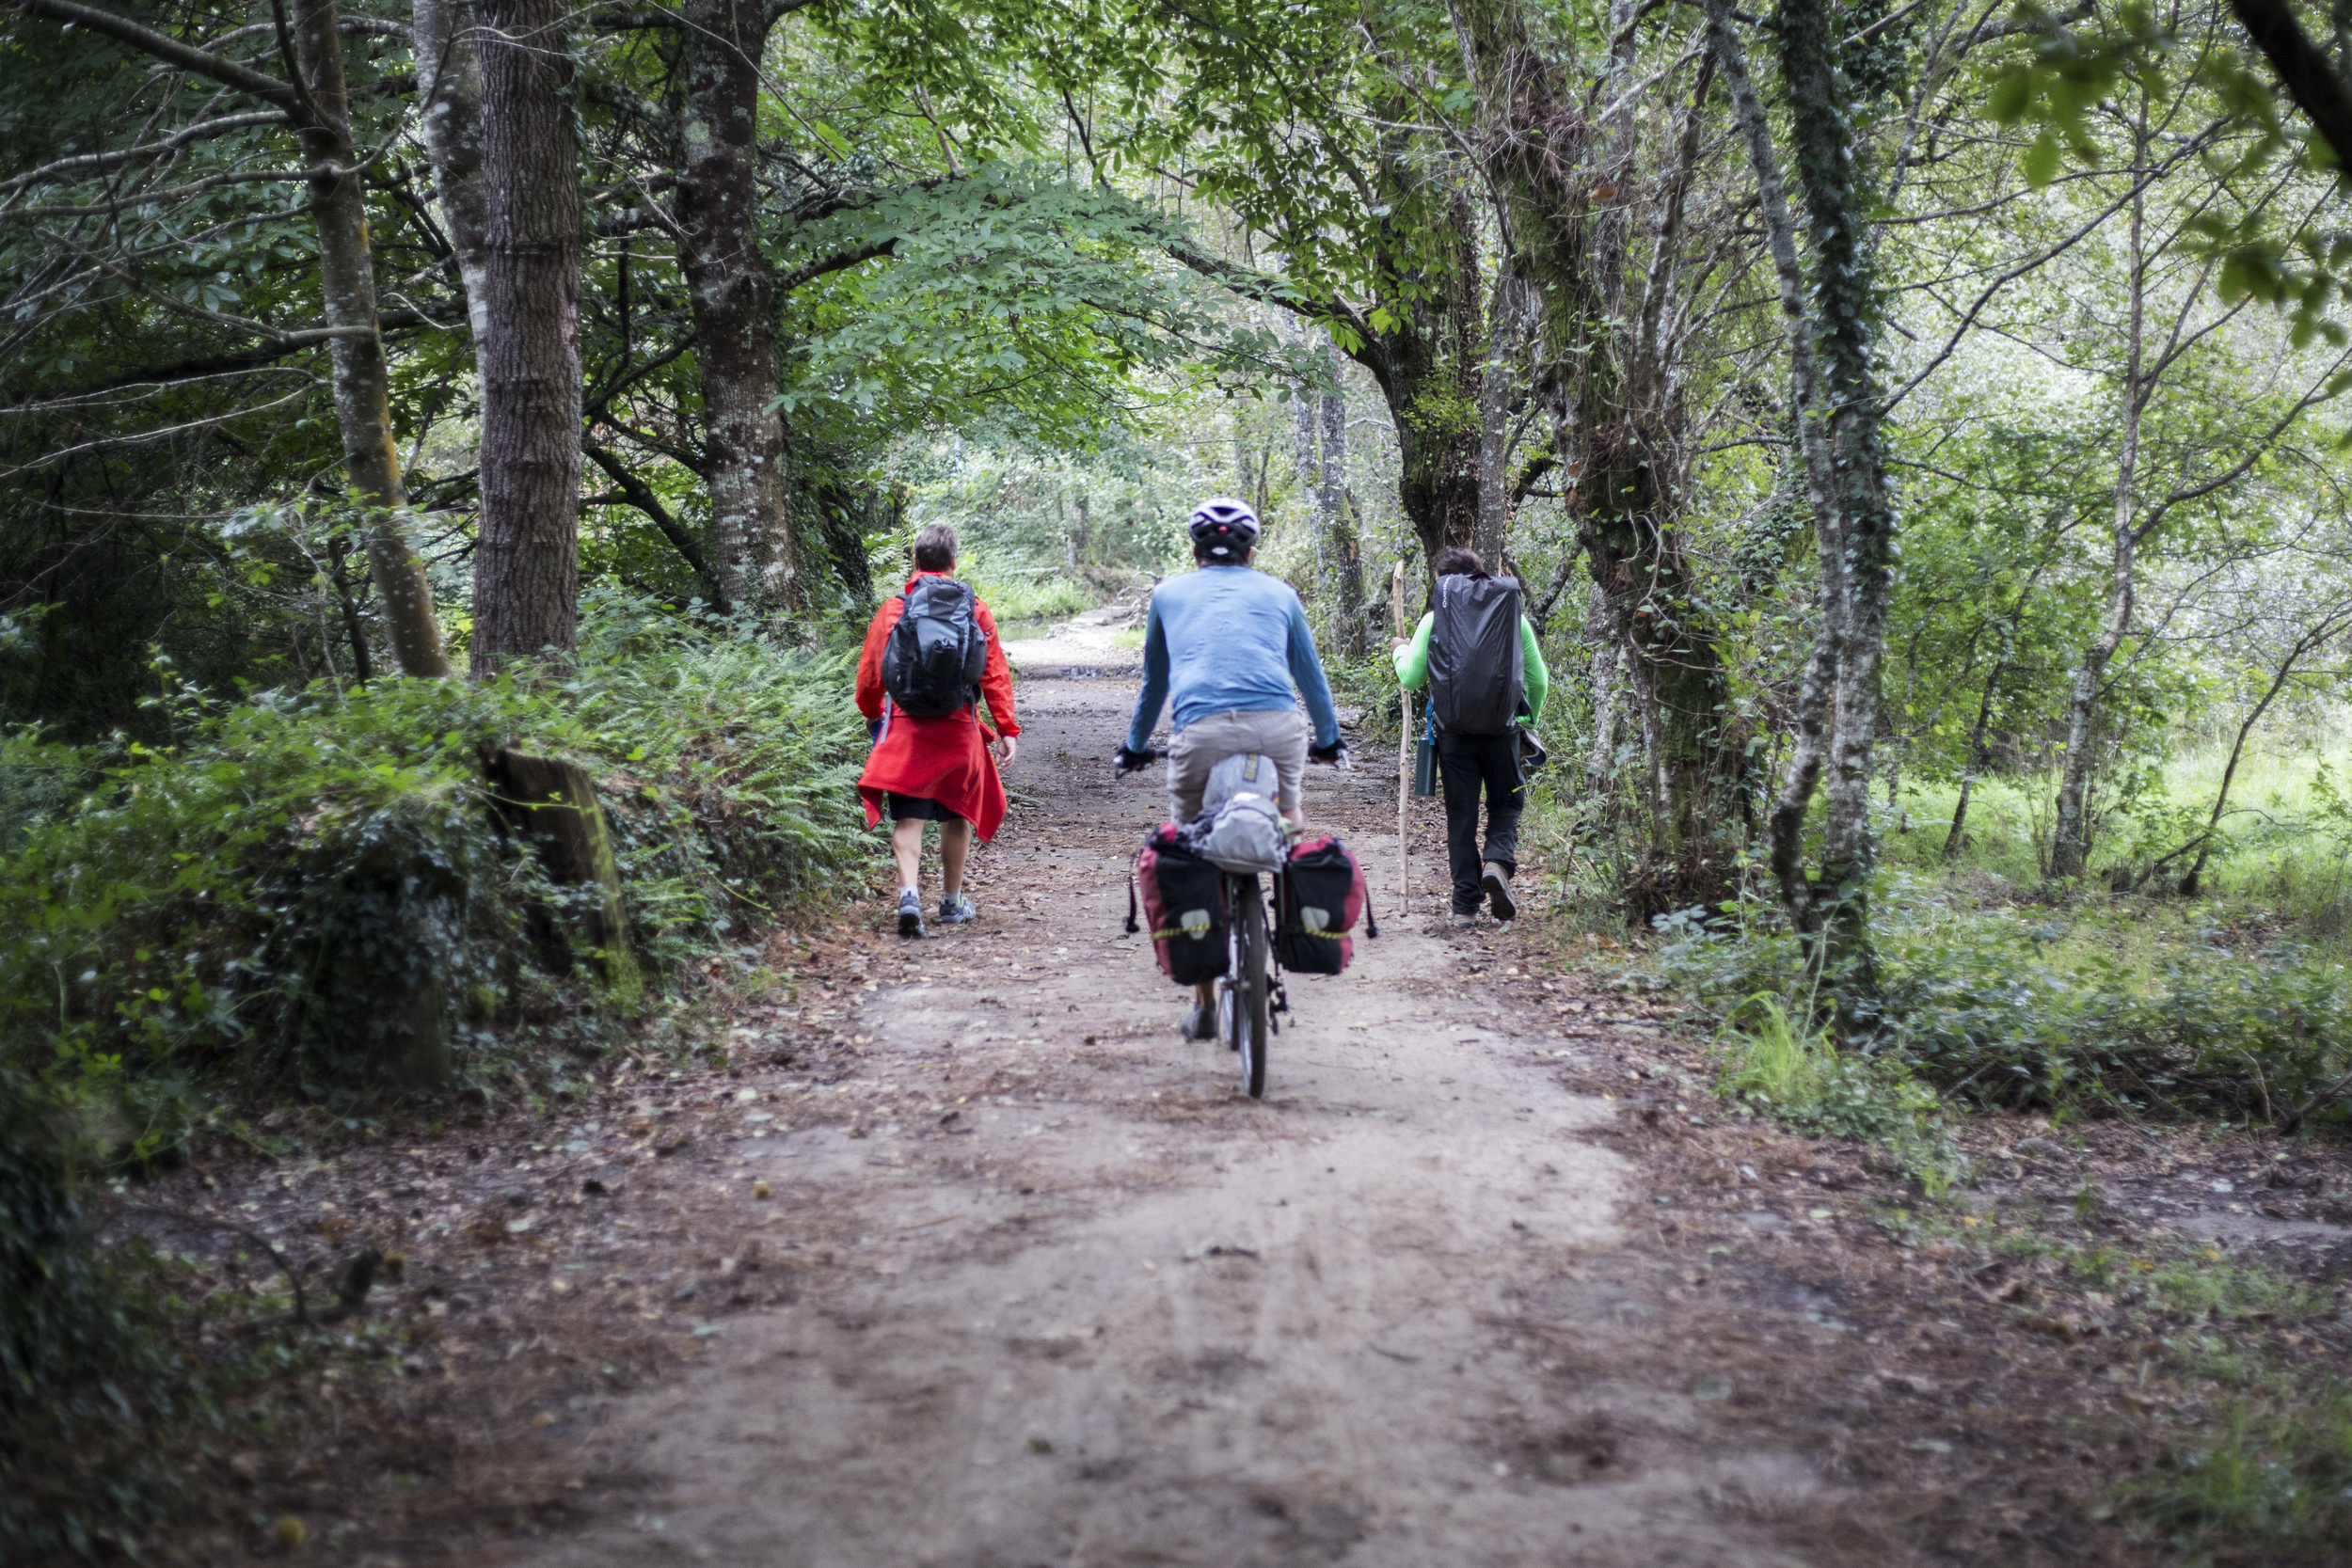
(964, 1258)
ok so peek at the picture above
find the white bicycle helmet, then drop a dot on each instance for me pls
(1226, 527)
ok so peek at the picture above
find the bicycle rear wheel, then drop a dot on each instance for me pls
(1246, 984)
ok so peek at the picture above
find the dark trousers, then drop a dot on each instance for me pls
(1464, 763)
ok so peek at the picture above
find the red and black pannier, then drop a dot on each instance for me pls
(1183, 905)
(1317, 897)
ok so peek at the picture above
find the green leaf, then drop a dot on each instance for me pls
(2041, 164)
(2010, 95)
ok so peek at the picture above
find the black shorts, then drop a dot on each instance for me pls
(917, 807)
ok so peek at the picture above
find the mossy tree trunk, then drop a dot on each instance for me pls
(1617, 416)
(1831, 326)
(552, 805)
(732, 295)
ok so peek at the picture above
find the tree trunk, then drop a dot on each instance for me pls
(2070, 837)
(1305, 405)
(448, 95)
(1342, 549)
(732, 295)
(1844, 323)
(1567, 230)
(1081, 534)
(1600, 629)
(1497, 390)
(1976, 761)
(553, 803)
(526, 566)
(1429, 375)
(1829, 345)
(361, 379)
(355, 629)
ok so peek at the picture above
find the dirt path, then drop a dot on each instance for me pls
(1056, 1292)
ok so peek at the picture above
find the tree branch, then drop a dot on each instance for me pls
(229, 73)
(2303, 70)
(808, 271)
(93, 163)
(281, 345)
(641, 497)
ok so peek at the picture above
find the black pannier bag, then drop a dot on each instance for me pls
(1317, 895)
(1476, 679)
(1184, 902)
(936, 653)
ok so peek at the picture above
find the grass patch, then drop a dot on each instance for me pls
(2270, 1480)
(1798, 1075)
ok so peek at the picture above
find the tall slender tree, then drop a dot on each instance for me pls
(527, 567)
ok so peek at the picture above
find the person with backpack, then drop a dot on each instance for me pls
(931, 653)
(1222, 648)
(1486, 680)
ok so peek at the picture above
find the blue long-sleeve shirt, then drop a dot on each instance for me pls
(1229, 639)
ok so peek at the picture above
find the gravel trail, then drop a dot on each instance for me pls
(1061, 1294)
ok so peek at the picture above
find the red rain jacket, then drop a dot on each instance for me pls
(943, 758)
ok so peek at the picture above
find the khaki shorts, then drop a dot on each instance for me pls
(1280, 734)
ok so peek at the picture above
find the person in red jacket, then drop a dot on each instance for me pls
(937, 769)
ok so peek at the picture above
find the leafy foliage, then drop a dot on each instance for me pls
(304, 885)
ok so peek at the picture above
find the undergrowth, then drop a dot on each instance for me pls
(2257, 1450)
(2075, 1009)
(280, 903)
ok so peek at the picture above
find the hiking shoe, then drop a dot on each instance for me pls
(1463, 919)
(956, 911)
(910, 912)
(1200, 1023)
(1498, 885)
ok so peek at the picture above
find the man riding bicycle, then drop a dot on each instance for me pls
(1224, 646)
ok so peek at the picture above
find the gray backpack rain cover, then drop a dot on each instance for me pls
(1240, 825)
(1476, 678)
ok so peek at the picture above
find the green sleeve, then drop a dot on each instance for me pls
(1412, 660)
(1532, 666)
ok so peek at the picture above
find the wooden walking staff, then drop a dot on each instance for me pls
(1403, 744)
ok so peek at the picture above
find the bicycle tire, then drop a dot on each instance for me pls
(1249, 984)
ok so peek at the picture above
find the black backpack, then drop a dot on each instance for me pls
(931, 665)
(1476, 680)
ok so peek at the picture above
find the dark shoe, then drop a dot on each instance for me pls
(1200, 1023)
(910, 912)
(1498, 885)
(956, 911)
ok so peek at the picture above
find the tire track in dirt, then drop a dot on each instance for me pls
(1062, 1294)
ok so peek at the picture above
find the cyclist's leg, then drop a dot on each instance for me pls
(1191, 752)
(1283, 737)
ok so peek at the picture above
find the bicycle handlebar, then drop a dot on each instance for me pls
(1344, 761)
